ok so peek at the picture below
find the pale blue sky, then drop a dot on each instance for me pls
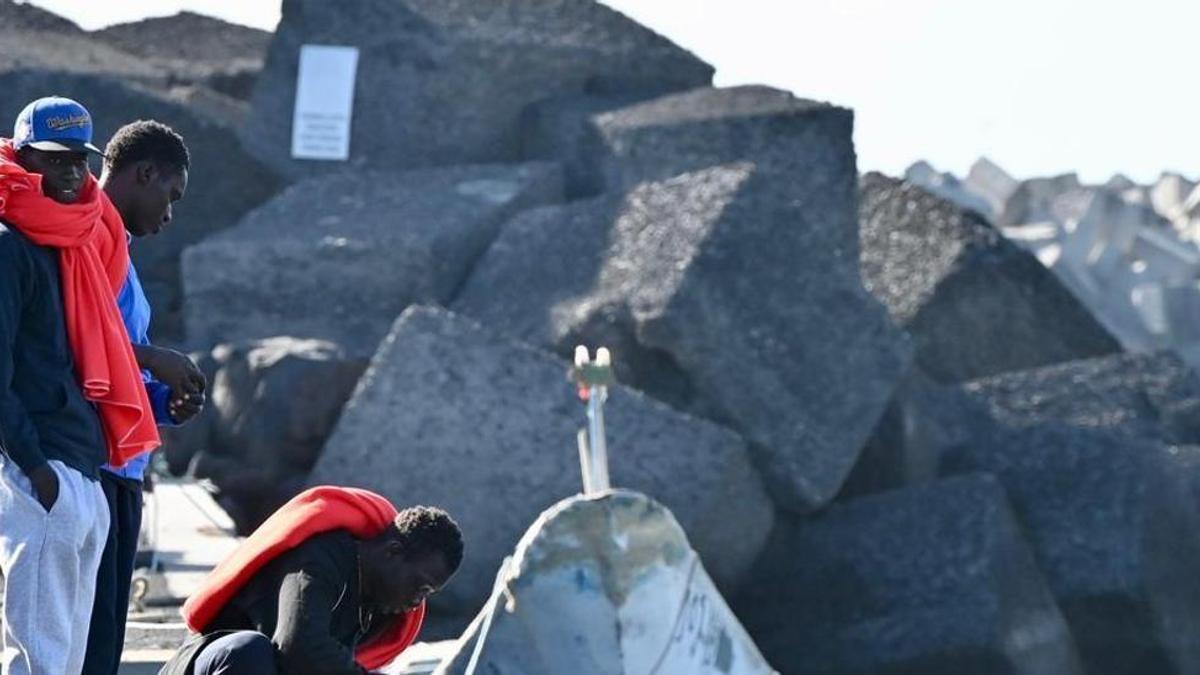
(1040, 86)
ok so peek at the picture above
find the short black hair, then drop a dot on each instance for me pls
(427, 529)
(146, 140)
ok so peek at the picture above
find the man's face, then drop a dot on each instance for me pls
(156, 189)
(62, 173)
(413, 579)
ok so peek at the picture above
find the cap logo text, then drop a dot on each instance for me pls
(60, 123)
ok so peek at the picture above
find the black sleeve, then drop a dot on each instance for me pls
(18, 437)
(307, 598)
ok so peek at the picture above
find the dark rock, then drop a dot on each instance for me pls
(805, 146)
(339, 257)
(37, 40)
(161, 52)
(932, 579)
(192, 48)
(203, 64)
(529, 302)
(187, 35)
(1188, 457)
(718, 295)
(975, 303)
(444, 82)
(272, 405)
(224, 182)
(25, 17)
(451, 415)
(1138, 395)
(1143, 396)
(561, 129)
(218, 107)
(923, 420)
(1113, 523)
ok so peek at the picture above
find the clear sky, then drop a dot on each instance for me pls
(1040, 86)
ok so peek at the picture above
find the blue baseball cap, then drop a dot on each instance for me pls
(54, 124)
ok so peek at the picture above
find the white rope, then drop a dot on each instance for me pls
(687, 596)
(204, 512)
(493, 600)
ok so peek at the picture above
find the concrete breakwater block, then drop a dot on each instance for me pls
(450, 414)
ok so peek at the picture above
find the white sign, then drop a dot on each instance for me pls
(324, 102)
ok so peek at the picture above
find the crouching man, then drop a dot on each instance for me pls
(333, 582)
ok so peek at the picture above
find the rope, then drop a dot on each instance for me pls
(687, 596)
(493, 599)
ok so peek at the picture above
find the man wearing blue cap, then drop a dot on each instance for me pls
(53, 519)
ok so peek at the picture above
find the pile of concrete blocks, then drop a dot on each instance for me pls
(1129, 252)
(928, 424)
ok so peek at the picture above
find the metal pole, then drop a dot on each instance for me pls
(596, 438)
(591, 380)
(585, 462)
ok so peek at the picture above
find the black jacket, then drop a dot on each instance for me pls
(307, 601)
(43, 414)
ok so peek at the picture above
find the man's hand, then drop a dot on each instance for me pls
(173, 369)
(45, 486)
(184, 408)
(180, 374)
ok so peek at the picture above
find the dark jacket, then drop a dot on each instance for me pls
(43, 414)
(307, 601)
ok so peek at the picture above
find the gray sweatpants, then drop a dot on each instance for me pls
(49, 561)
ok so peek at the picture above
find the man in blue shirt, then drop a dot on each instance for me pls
(145, 172)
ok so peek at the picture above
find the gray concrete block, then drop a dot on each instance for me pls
(932, 579)
(445, 82)
(454, 415)
(974, 303)
(1113, 524)
(718, 294)
(339, 257)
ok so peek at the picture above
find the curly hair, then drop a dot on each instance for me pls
(146, 140)
(430, 529)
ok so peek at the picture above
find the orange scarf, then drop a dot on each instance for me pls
(320, 509)
(93, 262)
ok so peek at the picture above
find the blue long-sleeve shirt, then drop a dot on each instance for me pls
(135, 311)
